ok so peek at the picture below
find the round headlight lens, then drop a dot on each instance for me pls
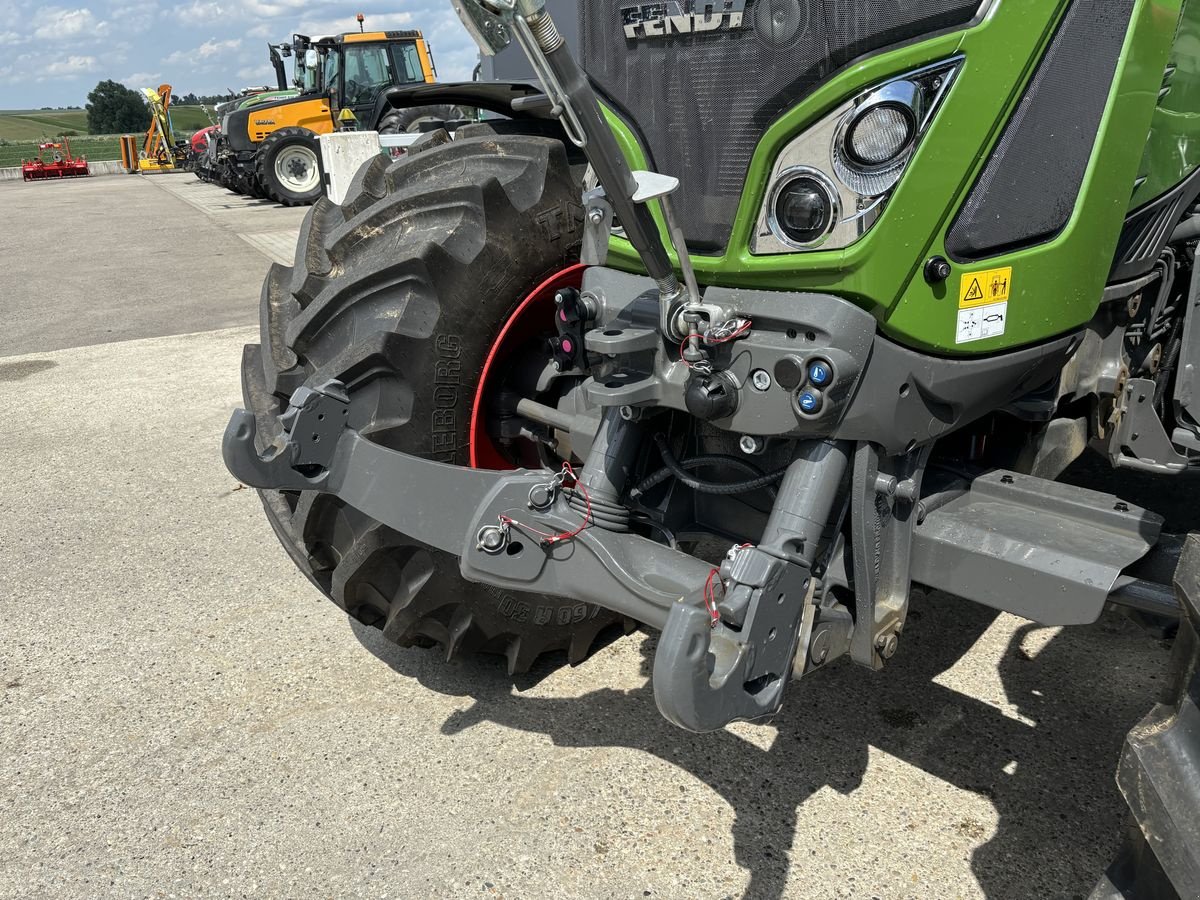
(880, 135)
(804, 210)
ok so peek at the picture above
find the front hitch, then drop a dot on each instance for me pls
(734, 665)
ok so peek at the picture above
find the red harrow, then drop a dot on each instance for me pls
(54, 161)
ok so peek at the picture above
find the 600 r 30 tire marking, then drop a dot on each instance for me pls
(399, 293)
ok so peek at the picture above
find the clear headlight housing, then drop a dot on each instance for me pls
(829, 185)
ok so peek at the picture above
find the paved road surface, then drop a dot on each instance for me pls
(181, 713)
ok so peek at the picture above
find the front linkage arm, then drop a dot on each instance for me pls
(457, 509)
(508, 529)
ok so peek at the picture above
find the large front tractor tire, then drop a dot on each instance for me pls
(401, 293)
(287, 167)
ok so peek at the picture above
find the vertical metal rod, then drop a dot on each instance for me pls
(605, 155)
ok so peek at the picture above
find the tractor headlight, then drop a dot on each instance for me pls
(856, 155)
(880, 135)
(804, 208)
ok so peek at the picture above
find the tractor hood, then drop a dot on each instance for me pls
(700, 87)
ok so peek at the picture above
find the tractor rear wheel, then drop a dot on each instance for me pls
(403, 294)
(286, 164)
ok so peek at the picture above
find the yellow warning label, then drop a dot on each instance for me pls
(982, 288)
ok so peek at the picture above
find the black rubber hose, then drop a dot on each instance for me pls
(673, 467)
(696, 462)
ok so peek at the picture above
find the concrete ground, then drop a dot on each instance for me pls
(181, 714)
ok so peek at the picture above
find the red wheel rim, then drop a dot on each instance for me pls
(527, 320)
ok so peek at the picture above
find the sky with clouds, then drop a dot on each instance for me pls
(54, 55)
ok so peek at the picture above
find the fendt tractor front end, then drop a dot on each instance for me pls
(739, 329)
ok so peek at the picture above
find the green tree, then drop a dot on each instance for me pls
(113, 108)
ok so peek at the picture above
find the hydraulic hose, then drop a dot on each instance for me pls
(700, 462)
(676, 469)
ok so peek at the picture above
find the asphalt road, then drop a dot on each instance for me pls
(181, 714)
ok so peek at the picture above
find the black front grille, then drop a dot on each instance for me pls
(700, 102)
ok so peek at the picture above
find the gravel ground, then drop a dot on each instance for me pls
(181, 714)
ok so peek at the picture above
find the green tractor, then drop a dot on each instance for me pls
(743, 319)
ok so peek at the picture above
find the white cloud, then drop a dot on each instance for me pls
(139, 80)
(453, 50)
(213, 47)
(9, 37)
(205, 55)
(269, 9)
(69, 67)
(56, 24)
(200, 11)
(127, 12)
(133, 18)
(324, 27)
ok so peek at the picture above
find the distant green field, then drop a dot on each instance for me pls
(189, 118)
(43, 124)
(32, 125)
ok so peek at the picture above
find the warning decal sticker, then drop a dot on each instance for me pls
(983, 288)
(979, 322)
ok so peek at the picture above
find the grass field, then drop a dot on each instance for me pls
(40, 124)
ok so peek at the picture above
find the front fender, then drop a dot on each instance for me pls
(494, 96)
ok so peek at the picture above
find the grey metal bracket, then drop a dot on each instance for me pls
(1140, 440)
(1048, 551)
(884, 494)
(706, 677)
(617, 570)
(312, 425)
(710, 671)
(1187, 379)
(491, 33)
(597, 227)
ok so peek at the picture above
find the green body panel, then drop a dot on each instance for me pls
(1056, 286)
(268, 97)
(1173, 151)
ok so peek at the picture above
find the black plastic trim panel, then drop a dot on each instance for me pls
(1031, 183)
(1148, 229)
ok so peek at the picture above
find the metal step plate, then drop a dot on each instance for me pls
(1047, 551)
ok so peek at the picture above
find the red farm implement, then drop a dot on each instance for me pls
(54, 160)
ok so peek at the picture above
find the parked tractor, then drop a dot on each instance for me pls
(270, 147)
(747, 319)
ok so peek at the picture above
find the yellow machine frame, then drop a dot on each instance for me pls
(158, 146)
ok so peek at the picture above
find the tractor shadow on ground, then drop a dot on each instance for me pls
(1051, 782)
